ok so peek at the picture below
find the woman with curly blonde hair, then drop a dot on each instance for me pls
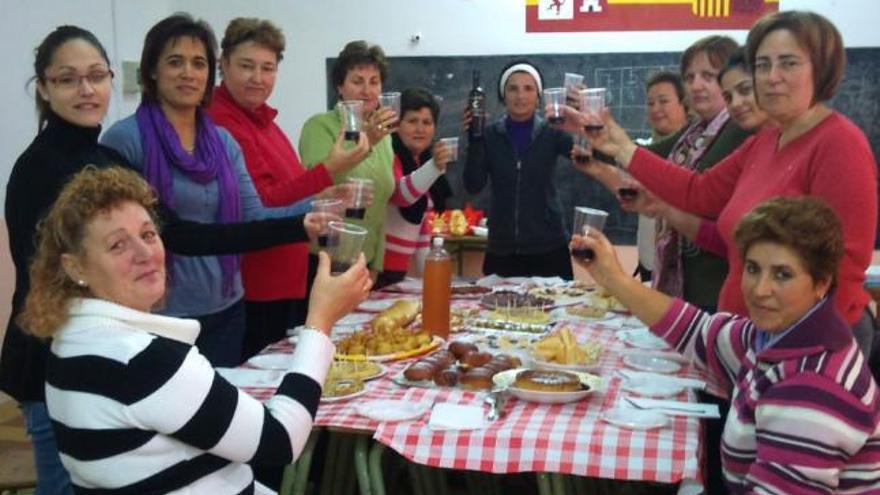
(117, 371)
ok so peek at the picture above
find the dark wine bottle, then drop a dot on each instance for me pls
(477, 106)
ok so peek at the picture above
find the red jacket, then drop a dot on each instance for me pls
(279, 272)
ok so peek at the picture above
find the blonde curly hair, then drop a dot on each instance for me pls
(88, 193)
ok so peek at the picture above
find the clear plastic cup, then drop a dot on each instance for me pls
(452, 144)
(361, 190)
(352, 118)
(585, 219)
(344, 244)
(592, 103)
(333, 207)
(554, 98)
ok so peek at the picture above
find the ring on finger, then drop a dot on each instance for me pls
(381, 127)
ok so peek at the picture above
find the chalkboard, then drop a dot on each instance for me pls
(624, 74)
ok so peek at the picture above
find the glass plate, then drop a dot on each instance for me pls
(635, 419)
(643, 362)
(387, 410)
(505, 379)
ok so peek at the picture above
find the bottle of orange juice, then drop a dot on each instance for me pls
(437, 290)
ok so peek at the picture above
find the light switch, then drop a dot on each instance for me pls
(130, 84)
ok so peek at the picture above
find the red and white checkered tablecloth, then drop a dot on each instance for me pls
(563, 438)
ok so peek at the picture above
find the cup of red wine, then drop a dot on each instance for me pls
(627, 193)
(582, 155)
(592, 104)
(586, 218)
(352, 118)
(554, 99)
(361, 189)
(333, 207)
(344, 244)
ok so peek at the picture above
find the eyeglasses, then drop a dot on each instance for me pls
(73, 81)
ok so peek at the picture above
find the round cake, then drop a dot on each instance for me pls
(547, 381)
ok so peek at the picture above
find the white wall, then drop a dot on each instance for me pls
(317, 29)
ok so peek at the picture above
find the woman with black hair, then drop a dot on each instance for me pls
(421, 185)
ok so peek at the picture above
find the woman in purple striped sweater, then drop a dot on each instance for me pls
(805, 407)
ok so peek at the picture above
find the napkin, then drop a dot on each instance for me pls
(647, 375)
(446, 416)
(675, 408)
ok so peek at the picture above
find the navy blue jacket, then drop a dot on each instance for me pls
(525, 215)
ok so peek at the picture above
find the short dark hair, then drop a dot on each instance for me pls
(805, 224)
(169, 30)
(667, 76)
(355, 54)
(44, 53)
(817, 36)
(260, 31)
(413, 99)
(737, 60)
(717, 48)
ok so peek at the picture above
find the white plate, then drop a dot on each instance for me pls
(344, 397)
(642, 338)
(563, 314)
(505, 379)
(271, 361)
(643, 362)
(376, 305)
(386, 410)
(656, 388)
(410, 286)
(635, 419)
(353, 319)
(547, 365)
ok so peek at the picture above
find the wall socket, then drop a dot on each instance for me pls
(130, 85)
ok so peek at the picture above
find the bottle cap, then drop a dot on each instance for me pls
(437, 241)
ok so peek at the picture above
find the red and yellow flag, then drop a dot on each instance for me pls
(643, 15)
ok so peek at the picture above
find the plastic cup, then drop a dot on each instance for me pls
(344, 243)
(391, 100)
(570, 79)
(584, 220)
(592, 103)
(329, 206)
(352, 118)
(360, 189)
(554, 98)
(452, 144)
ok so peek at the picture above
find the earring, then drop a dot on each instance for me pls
(81, 283)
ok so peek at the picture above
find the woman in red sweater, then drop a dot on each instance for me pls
(274, 279)
(798, 63)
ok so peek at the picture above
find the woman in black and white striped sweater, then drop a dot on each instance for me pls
(135, 407)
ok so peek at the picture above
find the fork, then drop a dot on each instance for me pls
(661, 408)
(496, 401)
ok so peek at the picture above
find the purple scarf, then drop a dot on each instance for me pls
(162, 150)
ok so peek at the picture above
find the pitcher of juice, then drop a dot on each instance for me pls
(437, 290)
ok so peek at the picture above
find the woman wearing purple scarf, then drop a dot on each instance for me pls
(198, 170)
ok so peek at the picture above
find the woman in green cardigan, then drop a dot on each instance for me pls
(358, 74)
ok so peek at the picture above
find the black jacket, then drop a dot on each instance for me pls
(525, 214)
(59, 151)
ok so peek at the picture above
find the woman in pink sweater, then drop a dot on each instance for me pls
(798, 63)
